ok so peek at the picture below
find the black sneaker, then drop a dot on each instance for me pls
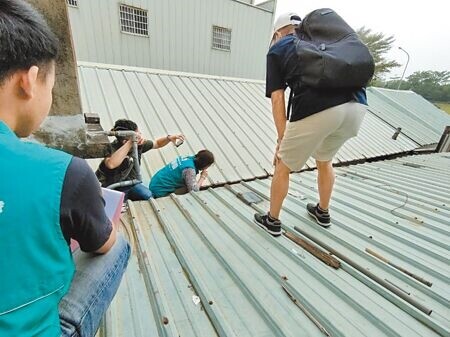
(322, 217)
(272, 227)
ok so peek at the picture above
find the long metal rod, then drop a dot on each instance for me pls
(305, 311)
(390, 282)
(403, 270)
(369, 274)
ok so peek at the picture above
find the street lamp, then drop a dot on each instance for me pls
(404, 70)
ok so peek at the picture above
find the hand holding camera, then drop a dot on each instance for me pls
(177, 140)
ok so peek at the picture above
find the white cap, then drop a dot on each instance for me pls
(286, 19)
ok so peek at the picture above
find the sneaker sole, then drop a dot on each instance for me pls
(318, 221)
(267, 230)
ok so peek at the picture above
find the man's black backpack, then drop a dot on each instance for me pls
(330, 53)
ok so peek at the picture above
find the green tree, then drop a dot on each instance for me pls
(429, 77)
(379, 45)
(433, 85)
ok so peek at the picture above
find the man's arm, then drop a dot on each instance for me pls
(275, 87)
(279, 117)
(279, 112)
(109, 243)
(82, 213)
(117, 157)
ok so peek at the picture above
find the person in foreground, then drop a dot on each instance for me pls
(322, 120)
(46, 198)
(182, 174)
(119, 165)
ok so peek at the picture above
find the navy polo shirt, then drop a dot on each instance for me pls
(282, 65)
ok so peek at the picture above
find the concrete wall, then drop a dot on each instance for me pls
(66, 97)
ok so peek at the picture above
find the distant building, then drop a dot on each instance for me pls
(218, 37)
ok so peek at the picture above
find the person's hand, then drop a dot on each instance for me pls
(204, 174)
(174, 138)
(276, 156)
(140, 139)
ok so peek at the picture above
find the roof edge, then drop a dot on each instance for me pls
(163, 72)
(393, 90)
(255, 6)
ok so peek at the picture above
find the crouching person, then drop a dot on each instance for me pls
(182, 174)
(119, 167)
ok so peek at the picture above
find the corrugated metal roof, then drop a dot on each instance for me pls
(419, 119)
(230, 117)
(205, 244)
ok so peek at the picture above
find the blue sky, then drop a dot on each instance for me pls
(421, 28)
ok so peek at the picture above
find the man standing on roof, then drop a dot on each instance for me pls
(119, 166)
(182, 174)
(46, 198)
(322, 120)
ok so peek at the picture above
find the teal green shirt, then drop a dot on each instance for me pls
(170, 177)
(35, 260)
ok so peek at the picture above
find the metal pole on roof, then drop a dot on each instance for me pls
(404, 70)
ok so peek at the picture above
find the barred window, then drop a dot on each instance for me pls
(221, 38)
(133, 20)
(73, 3)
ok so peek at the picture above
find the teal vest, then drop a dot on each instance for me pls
(170, 177)
(35, 261)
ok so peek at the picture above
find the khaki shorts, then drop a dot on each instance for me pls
(320, 135)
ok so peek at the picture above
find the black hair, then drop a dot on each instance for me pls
(203, 159)
(25, 39)
(124, 125)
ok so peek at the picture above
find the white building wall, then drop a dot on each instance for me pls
(180, 36)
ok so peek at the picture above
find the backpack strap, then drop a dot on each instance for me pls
(289, 107)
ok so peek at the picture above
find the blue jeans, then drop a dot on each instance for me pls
(93, 287)
(137, 192)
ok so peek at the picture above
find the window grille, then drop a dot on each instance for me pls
(133, 20)
(221, 38)
(73, 3)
